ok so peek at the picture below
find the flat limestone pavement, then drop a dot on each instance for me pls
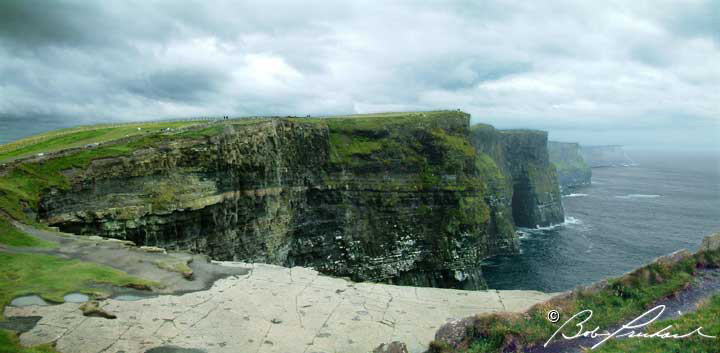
(270, 309)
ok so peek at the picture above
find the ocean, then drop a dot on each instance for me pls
(670, 200)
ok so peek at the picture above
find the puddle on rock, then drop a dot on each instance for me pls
(28, 300)
(19, 323)
(129, 297)
(76, 298)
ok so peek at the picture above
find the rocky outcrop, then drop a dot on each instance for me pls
(571, 168)
(605, 156)
(522, 156)
(403, 198)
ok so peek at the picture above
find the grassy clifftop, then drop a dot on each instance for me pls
(47, 156)
(37, 163)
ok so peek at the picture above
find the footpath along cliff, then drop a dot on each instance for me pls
(406, 198)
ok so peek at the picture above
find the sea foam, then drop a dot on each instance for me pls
(637, 196)
(524, 232)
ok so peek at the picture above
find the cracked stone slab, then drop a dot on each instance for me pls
(270, 309)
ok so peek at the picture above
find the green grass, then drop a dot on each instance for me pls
(9, 235)
(453, 142)
(622, 299)
(9, 343)
(381, 121)
(22, 186)
(707, 316)
(80, 136)
(344, 147)
(52, 277)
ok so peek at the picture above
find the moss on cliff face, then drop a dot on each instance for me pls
(410, 198)
(531, 180)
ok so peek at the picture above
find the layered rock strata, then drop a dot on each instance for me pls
(407, 199)
(522, 156)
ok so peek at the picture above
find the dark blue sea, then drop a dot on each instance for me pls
(629, 215)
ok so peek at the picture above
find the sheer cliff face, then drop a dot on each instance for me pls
(571, 167)
(405, 199)
(523, 157)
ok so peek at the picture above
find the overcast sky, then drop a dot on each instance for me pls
(597, 72)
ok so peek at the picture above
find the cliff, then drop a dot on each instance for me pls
(402, 198)
(522, 156)
(571, 168)
(605, 156)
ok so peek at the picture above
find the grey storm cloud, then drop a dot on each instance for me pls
(594, 72)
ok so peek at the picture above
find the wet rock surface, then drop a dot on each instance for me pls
(271, 309)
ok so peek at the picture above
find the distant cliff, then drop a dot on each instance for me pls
(571, 167)
(605, 156)
(523, 157)
(407, 198)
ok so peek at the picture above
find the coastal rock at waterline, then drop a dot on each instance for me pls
(711, 242)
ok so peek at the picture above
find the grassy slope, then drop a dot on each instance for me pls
(21, 186)
(51, 278)
(80, 136)
(623, 298)
(9, 235)
(9, 344)
(707, 316)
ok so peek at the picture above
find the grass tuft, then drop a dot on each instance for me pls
(9, 235)
(52, 277)
(621, 299)
(9, 343)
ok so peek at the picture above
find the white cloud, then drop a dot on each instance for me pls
(561, 66)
